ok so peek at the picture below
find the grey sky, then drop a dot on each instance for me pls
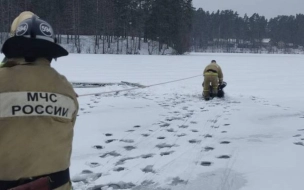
(267, 8)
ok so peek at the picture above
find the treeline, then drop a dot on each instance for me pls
(166, 21)
(172, 23)
(227, 29)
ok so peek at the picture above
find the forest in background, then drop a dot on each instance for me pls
(170, 23)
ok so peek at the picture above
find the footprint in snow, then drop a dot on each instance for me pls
(208, 148)
(108, 134)
(127, 140)
(110, 140)
(181, 135)
(165, 125)
(193, 122)
(170, 119)
(208, 136)
(166, 153)
(113, 153)
(164, 145)
(224, 131)
(225, 142)
(118, 169)
(184, 126)
(112, 186)
(298, 135)
(161, 137)
(206, 163)
(188, 115)
(300, 129)
(145, 135)
(148, 169)
(170, 130)
(224, 157)
(128, 148)
(121, 185)
(98, 147)
(130, 130)
(212, 121)
(123, 160)
(299, 143)
(226, 124)
(176, 181)
(194, 141)
(137, 126)
(93, 164)
(194, 130)
(145, 156)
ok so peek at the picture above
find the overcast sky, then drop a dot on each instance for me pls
(267, 8)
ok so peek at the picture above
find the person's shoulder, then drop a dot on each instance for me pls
(66, 86)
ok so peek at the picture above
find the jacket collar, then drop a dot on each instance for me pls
(10, 62)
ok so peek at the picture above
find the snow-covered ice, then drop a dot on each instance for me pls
(166, 137)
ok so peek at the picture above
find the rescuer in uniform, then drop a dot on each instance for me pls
(213, 77)
(38, 109)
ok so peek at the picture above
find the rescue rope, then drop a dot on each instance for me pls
(130, 89)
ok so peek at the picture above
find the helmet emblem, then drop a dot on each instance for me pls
(46, 29)
(22, 29)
